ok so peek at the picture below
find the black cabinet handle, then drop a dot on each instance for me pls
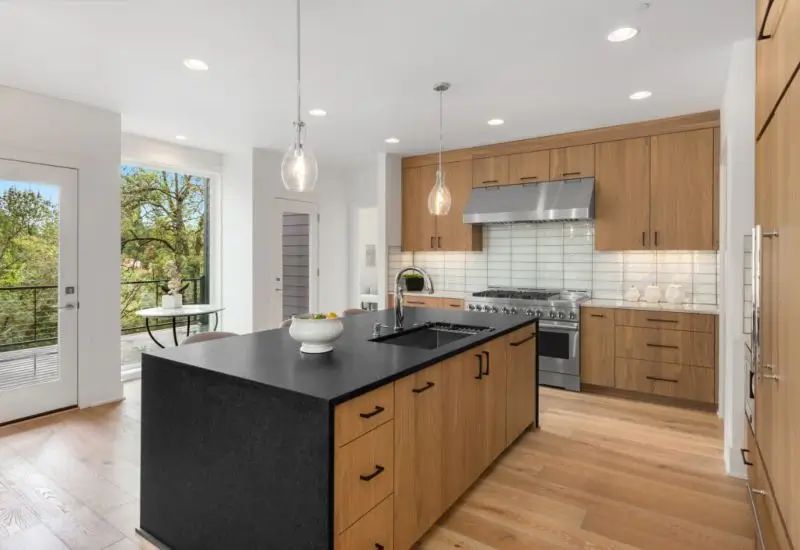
(378, 546)
(426, 387)
(378, 471)
(480, 366)
(656, 238)
(431, 241)
(597, 314)
(570, 173)
(657, 379)
(439, 242)
(490, 181)
(643, 237)
(486, 353)
(661, 346)
(662, 320)
(378, 410)
(415, 303)
(745, 452)
(529, 178)
(529, 338)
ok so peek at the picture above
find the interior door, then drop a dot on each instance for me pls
(295, 277)
(38, 289)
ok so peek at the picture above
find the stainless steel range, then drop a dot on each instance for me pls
(558, 312)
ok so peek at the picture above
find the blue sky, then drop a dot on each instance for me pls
(49, 192)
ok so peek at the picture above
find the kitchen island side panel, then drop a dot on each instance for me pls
(227, 463)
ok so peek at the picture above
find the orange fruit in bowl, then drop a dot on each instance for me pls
(331, 315)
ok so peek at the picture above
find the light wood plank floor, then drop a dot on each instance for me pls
(602, 473)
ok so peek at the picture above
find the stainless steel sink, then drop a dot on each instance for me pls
(431, 336)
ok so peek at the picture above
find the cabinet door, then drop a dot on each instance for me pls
(453, 233)
(622, 195)
(494, 410)
(419, 227)
(572, 162)
(597, 346)
(521, 382)
(490, 171)
(681, 190)
(463, 423)
(418, 455)
(529, 167)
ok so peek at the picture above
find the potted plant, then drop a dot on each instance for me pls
(414, 282)
(172, 297)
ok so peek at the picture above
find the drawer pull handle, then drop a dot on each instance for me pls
(426, 387)
(657, 379)
(571, 173)
(378, 471)
(431, 241)
(529, 178)
(665, 346)
(744, 457)
(486, 353)
(489, 181)
(480, 366)
(662, 320)
(454, 305)
(415, 303)
(378, 546)
(597, 315)
(529, 338)
(378, 410)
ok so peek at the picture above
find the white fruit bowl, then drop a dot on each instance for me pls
(315, 335)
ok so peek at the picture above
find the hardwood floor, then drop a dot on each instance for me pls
(602, 473)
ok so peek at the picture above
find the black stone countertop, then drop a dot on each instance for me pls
(355, 366)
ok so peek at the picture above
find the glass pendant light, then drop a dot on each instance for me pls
(299, 165)
(439, 199)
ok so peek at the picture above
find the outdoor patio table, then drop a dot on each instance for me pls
(187, 311)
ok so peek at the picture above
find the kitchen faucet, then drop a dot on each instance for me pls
(398, 292)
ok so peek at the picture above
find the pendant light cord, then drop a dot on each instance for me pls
(299, 120)
(441, 96)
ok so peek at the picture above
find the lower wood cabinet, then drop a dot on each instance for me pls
(597, 346)
(374, 531)
(418, 438)
(665, 379)
(421, 301)
(521, 394)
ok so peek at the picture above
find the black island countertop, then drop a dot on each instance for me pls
(356, 365)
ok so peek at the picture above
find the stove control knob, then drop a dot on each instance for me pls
(571, 315)
(552, 314)
(505, 310)
(529, 312)
(480, 307)
(514, 310)
(538, 313)
(494, 309)
(472, 307)
(560, 314)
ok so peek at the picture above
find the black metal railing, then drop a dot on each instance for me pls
(29, 314)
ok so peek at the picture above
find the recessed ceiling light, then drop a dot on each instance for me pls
(180, 137)
(318, 112)
(622, 34)
(644, 94)
(195, 64)
(496, 122)
(392, 140)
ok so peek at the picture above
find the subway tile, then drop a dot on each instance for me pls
(705, 278)
(607, 294)
(607, 268)
(674, 268)
(608, 285)
(684, 279)
(609, 257)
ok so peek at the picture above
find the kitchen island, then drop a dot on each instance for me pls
(247, 443)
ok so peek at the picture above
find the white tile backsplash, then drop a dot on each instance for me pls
(562, 255)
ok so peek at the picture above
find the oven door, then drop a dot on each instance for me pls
(559, 354)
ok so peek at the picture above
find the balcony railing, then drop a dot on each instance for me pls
(29, 314)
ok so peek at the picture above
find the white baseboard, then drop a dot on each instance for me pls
(101, 403)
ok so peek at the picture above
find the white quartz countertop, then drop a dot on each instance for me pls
(661, 306)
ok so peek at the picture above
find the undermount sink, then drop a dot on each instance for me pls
(431, 336)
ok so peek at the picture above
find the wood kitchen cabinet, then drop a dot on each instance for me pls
(490, 171)
(529, 167)
(418, 438)
(463, 414)
(495, 370)
(451, 231)
(419, 226)
(421, 231)
(572, 162)
(521, 391)
(622, 195)
(682, 190)
(597, 346)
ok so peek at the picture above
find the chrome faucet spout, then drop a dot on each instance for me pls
(398, 292)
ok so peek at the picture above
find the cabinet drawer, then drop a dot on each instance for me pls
(422, 301)
(452, 303)
(679, 381)
(375, 530)
(694, 322)
(665, 346)
(358, 416)
(363, 475)
(770, 534)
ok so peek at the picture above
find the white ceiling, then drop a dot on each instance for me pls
(542, 65)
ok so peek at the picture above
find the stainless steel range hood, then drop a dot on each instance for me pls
(569, 200)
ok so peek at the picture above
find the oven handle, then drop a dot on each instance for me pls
(555, 325)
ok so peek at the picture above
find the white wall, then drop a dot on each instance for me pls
(390, 199)
(737, 211)
(148, 151)
(363, 194)
(47, 130)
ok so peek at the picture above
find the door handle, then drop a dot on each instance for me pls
(745, 452)
(665, 346)
(658, 379)
(67, 306)
(570, 173)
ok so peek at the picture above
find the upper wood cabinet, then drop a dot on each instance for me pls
(622, 195)
(529, 167)
(490, 171)
(419, 226)
(572, 162)
(682, 190)
(452, 233)
(418, 455)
